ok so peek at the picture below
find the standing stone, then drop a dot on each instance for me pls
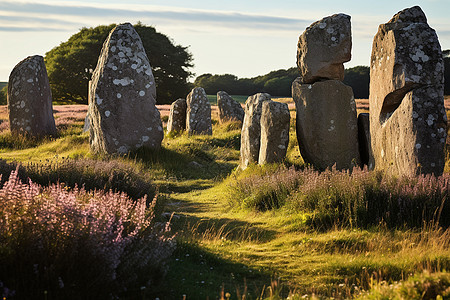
(30, 99)
(122, 110)
(323, 48)
(275, 121)
(365, 149)
(407, 114)
(327, 129)
(251, 129)
(177, 116)
(198, 115)
(229, 109)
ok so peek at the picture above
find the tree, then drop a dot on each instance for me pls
(358, 78)
(70, 65)
(3, 95)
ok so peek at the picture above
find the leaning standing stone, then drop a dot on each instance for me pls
(30, 99)
(177, 116)
(408, 122)
(327, 129)
(275, 120)
(229, 109)
(122, 110)
(198, 115)
(251, 129)
(323, 48)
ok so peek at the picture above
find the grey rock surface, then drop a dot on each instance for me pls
(275, 121)
(229, 109)
(198, 114)
(30, 99)
(251, 129)
(122, 110)
(323, 48)
(326, 123)
(408, 122)
(177, 116)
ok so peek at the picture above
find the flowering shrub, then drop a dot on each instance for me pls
(77, 244)
(88, 173)
(358, 198)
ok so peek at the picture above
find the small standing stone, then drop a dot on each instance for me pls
(275, 122)
(323, 48)
(122, 111)
(408, 122)
(364, 138)
(177, 116)
(198, 115)
(30, 99)
(251, 129)
(229, 109)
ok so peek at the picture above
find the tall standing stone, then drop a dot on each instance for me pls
(323, 48)
(229, 109)
(122, 110)
(275, 121)
(407, 114)
(327, 129)
(251, 129)
(198, 115)
(30, 99)
(177, 116)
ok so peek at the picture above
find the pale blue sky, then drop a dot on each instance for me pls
(242, 37)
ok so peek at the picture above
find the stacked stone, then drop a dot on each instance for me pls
(407, 115)
(327, 130)
(198, 113)
(122, 111)
(229, 109)
(30, 99)
(177, 116)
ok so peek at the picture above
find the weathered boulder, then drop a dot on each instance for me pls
(275, 118)
(327, 129)
(364, 138)
(229, 109)
(122, 110)
(251, 129)
(323, 48)
(407, 115)
(30, 99)
(177, 116)
(198, 114)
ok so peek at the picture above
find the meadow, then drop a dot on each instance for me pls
(184, 222)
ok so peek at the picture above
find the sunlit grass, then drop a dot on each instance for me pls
(226, 248)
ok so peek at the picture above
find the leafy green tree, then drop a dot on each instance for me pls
(358, 78)
(3, 95)
(70, 65)
(277, 83)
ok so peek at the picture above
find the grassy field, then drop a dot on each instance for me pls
(227, 243)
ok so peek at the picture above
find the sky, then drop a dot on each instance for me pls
(246, 38)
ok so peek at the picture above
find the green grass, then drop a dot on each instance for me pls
(3, 84)
(224, 248)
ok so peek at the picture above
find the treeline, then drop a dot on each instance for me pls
(277, 83)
